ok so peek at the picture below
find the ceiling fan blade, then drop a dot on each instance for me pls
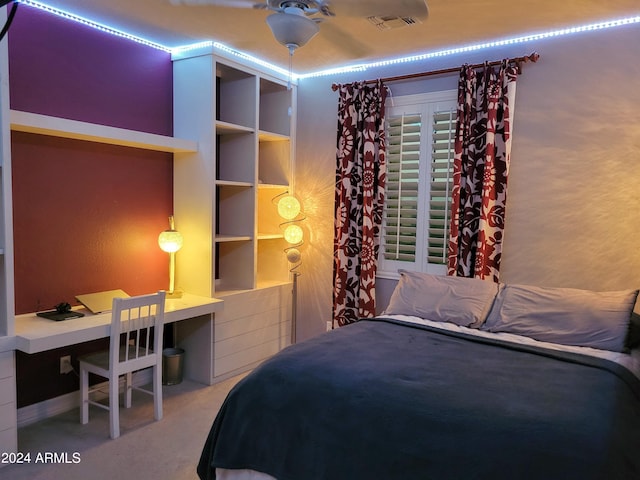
(380, 8)
(218, 3)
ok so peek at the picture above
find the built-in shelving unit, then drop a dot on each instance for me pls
(243, 121)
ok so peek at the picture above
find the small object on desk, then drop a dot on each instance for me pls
(63, 307)
(62, 312)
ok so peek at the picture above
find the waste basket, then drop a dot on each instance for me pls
(172, 365)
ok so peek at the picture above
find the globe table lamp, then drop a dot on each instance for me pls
(171, 241)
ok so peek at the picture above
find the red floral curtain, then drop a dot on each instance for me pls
(359, 199)
(481, 167)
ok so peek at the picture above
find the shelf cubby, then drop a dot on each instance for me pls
(274, 160)
(268, 219)
(235, 94)
(235, 157)
(272, 265)
(235, 210)
(275, 107)
(235, 265)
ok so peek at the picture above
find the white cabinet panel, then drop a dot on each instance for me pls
(7, 391)
(8, 441)
(253, 326)
(8, 412)
(7, 365)
(252, 338)
(247, 358)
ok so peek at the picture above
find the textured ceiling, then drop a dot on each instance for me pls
(345, 40)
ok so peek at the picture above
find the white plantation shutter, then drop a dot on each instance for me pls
(420, 142)
(442, 149)
(401, 205)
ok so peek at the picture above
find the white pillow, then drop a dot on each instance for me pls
(463, 301)
(566, 316)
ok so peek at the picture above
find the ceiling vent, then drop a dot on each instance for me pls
(391, 22)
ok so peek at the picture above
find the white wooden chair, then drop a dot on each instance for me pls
(140, 321)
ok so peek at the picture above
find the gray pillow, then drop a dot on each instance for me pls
(566, 316)
(463, 301)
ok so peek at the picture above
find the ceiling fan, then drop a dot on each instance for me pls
(295, 22)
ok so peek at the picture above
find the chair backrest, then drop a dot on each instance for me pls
(140, 320)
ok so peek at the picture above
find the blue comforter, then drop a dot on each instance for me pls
(384, 400)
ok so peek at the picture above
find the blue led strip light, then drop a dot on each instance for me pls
(91, 23)
(352, 68)
(478, 46)
(222, 47)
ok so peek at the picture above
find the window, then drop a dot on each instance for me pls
(420, 147)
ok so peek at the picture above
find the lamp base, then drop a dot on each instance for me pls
(174, 294)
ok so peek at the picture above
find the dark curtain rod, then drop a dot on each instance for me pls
(518, 60)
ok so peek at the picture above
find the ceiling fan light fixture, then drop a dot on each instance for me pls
(292, 30)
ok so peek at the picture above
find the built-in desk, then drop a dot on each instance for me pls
(34, 334)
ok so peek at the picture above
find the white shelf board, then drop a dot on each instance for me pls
(265, 136)
(232, 238)
(92, 132)
(226, 128)
(233, 183)
(273, 186)
(270, 236)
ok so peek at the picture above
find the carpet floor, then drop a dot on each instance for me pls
(61, 448)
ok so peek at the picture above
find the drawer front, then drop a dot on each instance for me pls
(255, 301)
(246, 358)
(235, 326)
(244, 338)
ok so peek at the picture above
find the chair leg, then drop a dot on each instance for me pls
(157, 392)
(84, 395)
(114, 407)
(128, 387)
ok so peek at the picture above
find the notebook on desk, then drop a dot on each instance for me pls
(100, 302)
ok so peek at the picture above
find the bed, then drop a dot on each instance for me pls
(458, 378)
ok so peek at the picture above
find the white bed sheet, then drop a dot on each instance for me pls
(243, 474)
(631, 361)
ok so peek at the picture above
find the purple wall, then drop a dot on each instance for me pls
(63, 68)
